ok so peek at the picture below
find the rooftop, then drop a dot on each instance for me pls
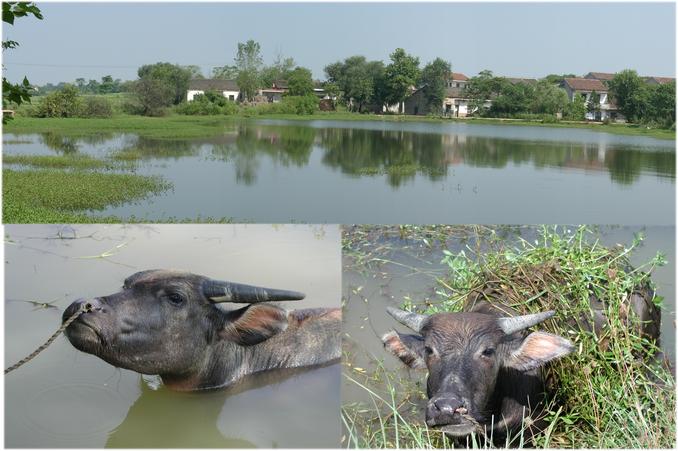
(585, 84)
(212, 84)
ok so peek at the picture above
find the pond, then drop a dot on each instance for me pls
(68, 399)
(386, 172)
(408, 271)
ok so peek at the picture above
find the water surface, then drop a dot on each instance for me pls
(65, 398)
(388, 172)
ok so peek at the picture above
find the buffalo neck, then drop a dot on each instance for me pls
(311, 338)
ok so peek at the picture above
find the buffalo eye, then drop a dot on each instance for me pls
(175, 298)
(428, 350)
(488, 352)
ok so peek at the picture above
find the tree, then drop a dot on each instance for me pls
(662, 101)
(627, 88)
(593, 104)
(356, 78)
(548, 98)
(174, 77)
(63, 103)
(248, 61)
(280, 70)
(195, 71)
(107, 85)
(154, 95)
(16, 93)
(433, 82)
(300, 82)
(481, 88)
(575, 110)
(557, 79)
(225, 72)
(399, 76)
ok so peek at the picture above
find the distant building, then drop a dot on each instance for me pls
(585, 87)
(602, 76)
(455, 102)
(228, 88)
(659, 80)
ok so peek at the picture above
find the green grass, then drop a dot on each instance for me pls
(46, 196)
(76, 161)
(178, 126)
(612, 392)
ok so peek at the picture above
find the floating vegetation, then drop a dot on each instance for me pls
(55, 196)
(615, 391)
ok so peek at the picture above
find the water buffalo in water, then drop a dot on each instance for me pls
(483, 368)
(167, 323)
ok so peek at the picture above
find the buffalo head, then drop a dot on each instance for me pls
(167, 322)
(465, 354)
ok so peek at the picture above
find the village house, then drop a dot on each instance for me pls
(228, 88)
(455, 102)
(585, 87)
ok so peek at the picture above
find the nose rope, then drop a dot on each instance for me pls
(83, 308)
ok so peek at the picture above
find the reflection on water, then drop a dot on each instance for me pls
(477, 172)
(68, 399)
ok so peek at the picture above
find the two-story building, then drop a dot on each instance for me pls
(585, 87)
(455, 102)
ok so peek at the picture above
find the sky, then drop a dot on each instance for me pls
(91, 40)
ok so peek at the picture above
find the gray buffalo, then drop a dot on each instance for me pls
(483, 368)
(168, 323)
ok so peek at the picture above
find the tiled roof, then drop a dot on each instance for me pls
(212, 84)
(604, 76)
(662, 80)
(585, 84)
(459, 76)
(515, 80)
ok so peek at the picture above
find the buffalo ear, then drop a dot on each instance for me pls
(253, 324)
(537, 349)
(408, 348)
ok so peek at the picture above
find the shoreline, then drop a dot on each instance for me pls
(179, 126)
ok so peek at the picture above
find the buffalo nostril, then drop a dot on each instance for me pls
(88, 307)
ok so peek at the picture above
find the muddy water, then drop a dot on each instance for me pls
(412, 272)
(379, 172)
(66, 398)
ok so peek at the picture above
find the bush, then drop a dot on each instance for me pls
(96, 107)
(300, 104)
(62, 103)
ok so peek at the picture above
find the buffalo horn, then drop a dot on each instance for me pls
(514, 324)
(220, 291)
(412, 320)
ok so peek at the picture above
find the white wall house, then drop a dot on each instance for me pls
(585, 87)
(455, 103)
(228, 88)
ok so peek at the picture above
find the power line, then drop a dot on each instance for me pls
(95, 66)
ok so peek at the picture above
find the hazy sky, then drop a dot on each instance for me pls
(528, 39)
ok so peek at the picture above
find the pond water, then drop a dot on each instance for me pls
(388, 172)
(410, 272)
(68, 399)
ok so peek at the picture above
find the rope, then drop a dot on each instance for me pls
(84, 308)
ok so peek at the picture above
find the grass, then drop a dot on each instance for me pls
(178, 126)
(76, 161)
(56, 196)
(614, 391)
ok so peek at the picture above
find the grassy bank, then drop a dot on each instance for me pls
(177, 126)
(614, 391)
(53, 195)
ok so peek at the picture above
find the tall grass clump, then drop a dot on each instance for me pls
(614, 391)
